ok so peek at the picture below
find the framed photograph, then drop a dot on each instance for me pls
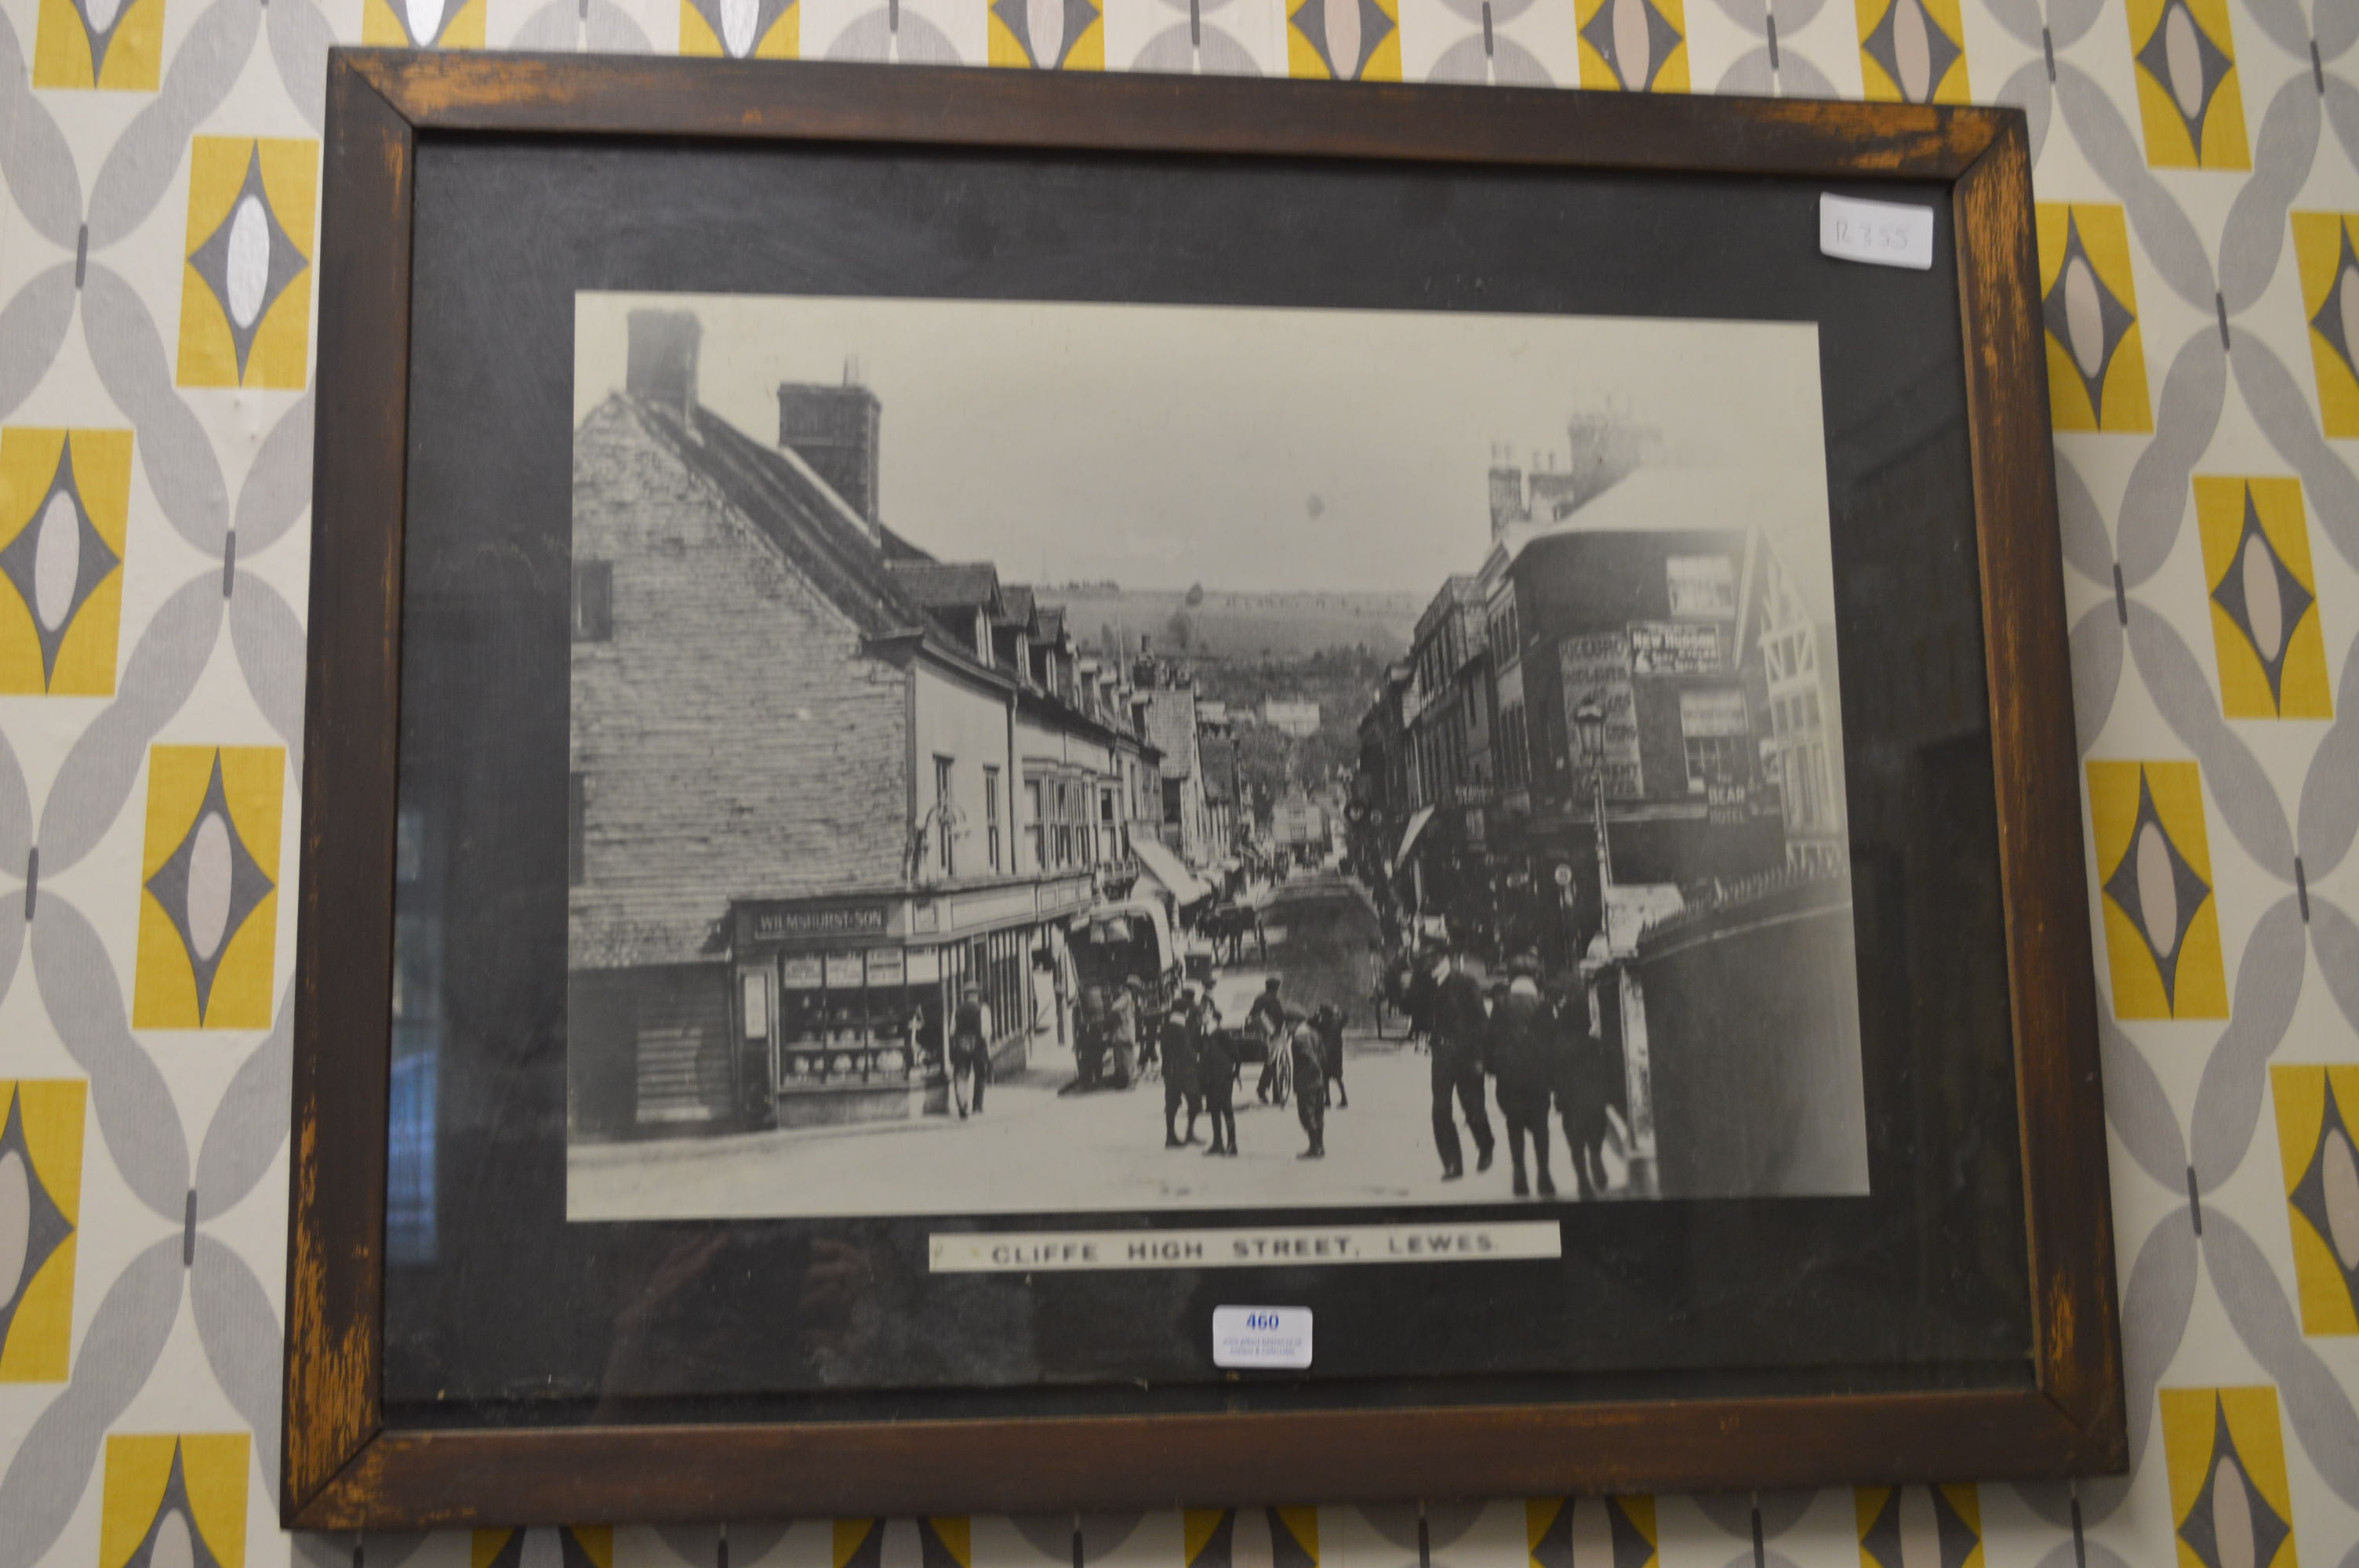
(1033, 791)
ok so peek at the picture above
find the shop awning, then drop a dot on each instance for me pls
(1408, 840)
(1161, 863)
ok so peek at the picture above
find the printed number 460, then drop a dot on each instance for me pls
(1261, 1320)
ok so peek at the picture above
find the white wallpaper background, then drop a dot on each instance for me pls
(2198, 163)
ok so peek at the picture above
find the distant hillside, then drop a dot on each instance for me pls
(1228, 625)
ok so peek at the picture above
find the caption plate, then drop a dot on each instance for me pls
(1031, 1252)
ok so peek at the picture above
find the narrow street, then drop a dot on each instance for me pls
(1033, 1151)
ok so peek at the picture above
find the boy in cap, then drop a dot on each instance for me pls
(1180, 1086)
(1328, 1023)
(1425, 973)
(1216, 1080)
(1520, 1058)
(1307, 1056)
(1586, 1076)
(1269, 1014)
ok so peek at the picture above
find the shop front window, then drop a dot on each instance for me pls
(1714, 734)
(843, 1017)
(999, 966)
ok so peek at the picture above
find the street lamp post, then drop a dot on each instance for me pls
(1588, 721)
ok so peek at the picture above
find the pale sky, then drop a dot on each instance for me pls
(1252, 448)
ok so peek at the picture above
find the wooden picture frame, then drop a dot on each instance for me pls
(344, 1467)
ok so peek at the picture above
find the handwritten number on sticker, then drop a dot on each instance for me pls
(1881, 233)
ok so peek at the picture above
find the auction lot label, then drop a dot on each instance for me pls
(1261, 1336)
(1021, 1252)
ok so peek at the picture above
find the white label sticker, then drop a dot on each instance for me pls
(1261, 1336)
(1881, 233)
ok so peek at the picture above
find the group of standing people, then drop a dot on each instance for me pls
(1202, 1063)
(1199, 1072)
(1531, 1048)
(1539, 1049)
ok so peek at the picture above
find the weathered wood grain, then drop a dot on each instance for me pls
(343, 1469)
(2066, 1193)
(344, 954)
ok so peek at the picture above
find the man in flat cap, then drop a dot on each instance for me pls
(1457, 1023)
(970, 1050)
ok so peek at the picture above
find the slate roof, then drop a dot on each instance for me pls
(1171, 726)
(948, 585)
(819, 536)
(1461, 590)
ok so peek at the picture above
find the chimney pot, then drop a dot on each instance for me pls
(662, 366)
(1507, 505)
(836, 430)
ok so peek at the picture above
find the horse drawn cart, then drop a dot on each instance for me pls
(1117, 948)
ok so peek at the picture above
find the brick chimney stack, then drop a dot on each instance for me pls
(1507, 491)
(835, 429)
(1607, 448)
(661, 368)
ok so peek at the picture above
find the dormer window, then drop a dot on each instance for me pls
(982, 636)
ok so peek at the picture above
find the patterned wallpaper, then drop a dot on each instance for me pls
(2198, 164)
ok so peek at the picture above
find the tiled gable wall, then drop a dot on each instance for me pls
(654, 871)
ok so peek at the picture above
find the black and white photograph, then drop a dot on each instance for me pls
(1045, 758)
